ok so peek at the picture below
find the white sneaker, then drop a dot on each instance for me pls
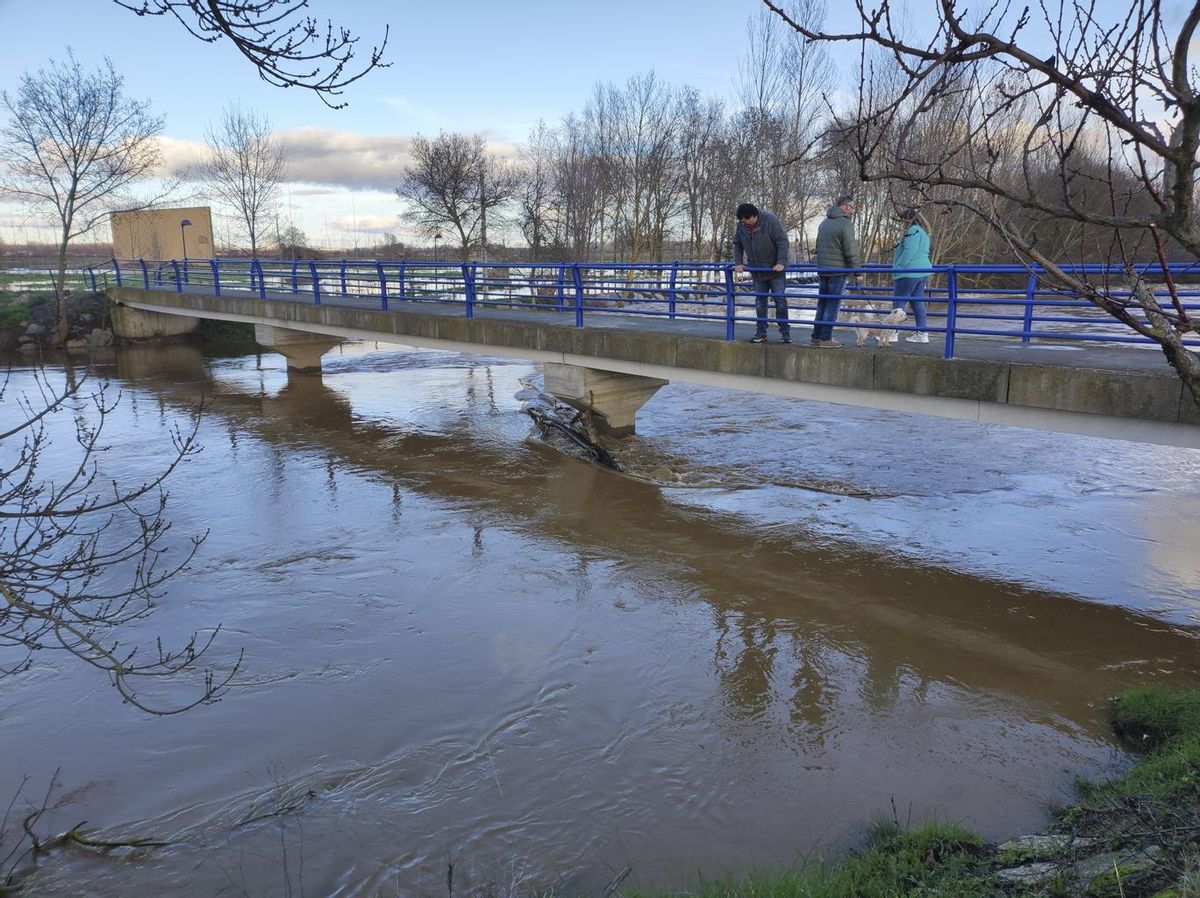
(918, 337)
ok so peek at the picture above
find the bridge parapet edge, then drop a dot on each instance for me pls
(1096, 391)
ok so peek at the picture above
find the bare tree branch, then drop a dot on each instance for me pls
(288, 47)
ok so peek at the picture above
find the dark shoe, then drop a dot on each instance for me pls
(785, 339)
(759, 338)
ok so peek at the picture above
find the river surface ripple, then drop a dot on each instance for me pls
(465, 646)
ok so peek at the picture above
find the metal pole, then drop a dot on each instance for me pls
(951, 310)
(577, 277)
(469, 287)
(383, 303)
(730, 305)
(1027, 323)
(671, 300)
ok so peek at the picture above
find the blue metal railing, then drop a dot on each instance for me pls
(996, 301)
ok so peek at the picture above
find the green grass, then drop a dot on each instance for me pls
(1149, 720)
(1155, 806)
(937, 861)
(14, 312)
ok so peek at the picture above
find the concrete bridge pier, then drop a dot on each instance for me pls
(303, 350)
(139, 324)
(613, 398)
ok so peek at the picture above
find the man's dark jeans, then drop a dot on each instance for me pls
(831, 288)
(775, 284)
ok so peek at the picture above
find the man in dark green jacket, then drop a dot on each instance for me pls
(760, 242)
(837, 248)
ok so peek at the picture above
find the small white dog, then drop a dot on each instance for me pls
(881, 326)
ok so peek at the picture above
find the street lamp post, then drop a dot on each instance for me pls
(437, 235)
(183, 225)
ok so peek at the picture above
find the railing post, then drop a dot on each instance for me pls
(401, 285)
(92, 274)
(951, 310)
(117, 270)
(469, 285)
(1030, 291)
(178, 282)
(186, 277)
(145, 273)
(344, 277)
(730, 304)
(562, 276)
(216, 272)
(262, 279)
(316, 278)
(577, 278)
(295, 277)
(382, 286)
(671, 295)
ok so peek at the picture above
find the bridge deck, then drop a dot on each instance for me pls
(1116, 390)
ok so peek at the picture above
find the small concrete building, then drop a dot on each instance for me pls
(161, 234)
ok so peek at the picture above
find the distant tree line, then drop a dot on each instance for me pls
(650, 171)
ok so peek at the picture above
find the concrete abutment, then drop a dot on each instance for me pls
(139, 324)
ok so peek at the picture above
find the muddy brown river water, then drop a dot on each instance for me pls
(463, 645)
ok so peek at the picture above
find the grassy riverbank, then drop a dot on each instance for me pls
(1134, 836)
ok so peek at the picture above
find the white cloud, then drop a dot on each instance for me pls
(316, 156)
(179, 157)
(346, 158)
(368, 224)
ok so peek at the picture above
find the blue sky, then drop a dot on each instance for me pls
(470, 65)
(467, 65)
(460, 66)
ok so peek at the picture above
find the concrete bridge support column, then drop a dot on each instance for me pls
(613, 398)
(303, 350)
(138, 324)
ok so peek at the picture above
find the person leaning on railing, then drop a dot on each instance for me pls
(760, 241)
(912, 251)
(837, 247)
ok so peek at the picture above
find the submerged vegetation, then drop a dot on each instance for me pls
(1134, 836)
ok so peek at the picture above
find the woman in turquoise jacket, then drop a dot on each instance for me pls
(912, 252)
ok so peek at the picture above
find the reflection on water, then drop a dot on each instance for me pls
(463, 645)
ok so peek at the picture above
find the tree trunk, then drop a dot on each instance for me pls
(62, 325)
(1179, 357)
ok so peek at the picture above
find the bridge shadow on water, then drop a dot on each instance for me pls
(780, 602)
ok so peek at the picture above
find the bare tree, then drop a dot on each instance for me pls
(1106, 106)
(288, 47)
(245, 167)
(453, 183)
(82, 556)
(535, 196)
(648, 180)
(701, 124)
(579, 180)
(73, 144)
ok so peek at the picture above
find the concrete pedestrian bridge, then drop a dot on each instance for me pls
(611, 335)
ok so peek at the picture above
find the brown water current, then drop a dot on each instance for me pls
(465, 646)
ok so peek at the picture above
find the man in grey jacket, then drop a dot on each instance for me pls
(760, 242)
(837, 247)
